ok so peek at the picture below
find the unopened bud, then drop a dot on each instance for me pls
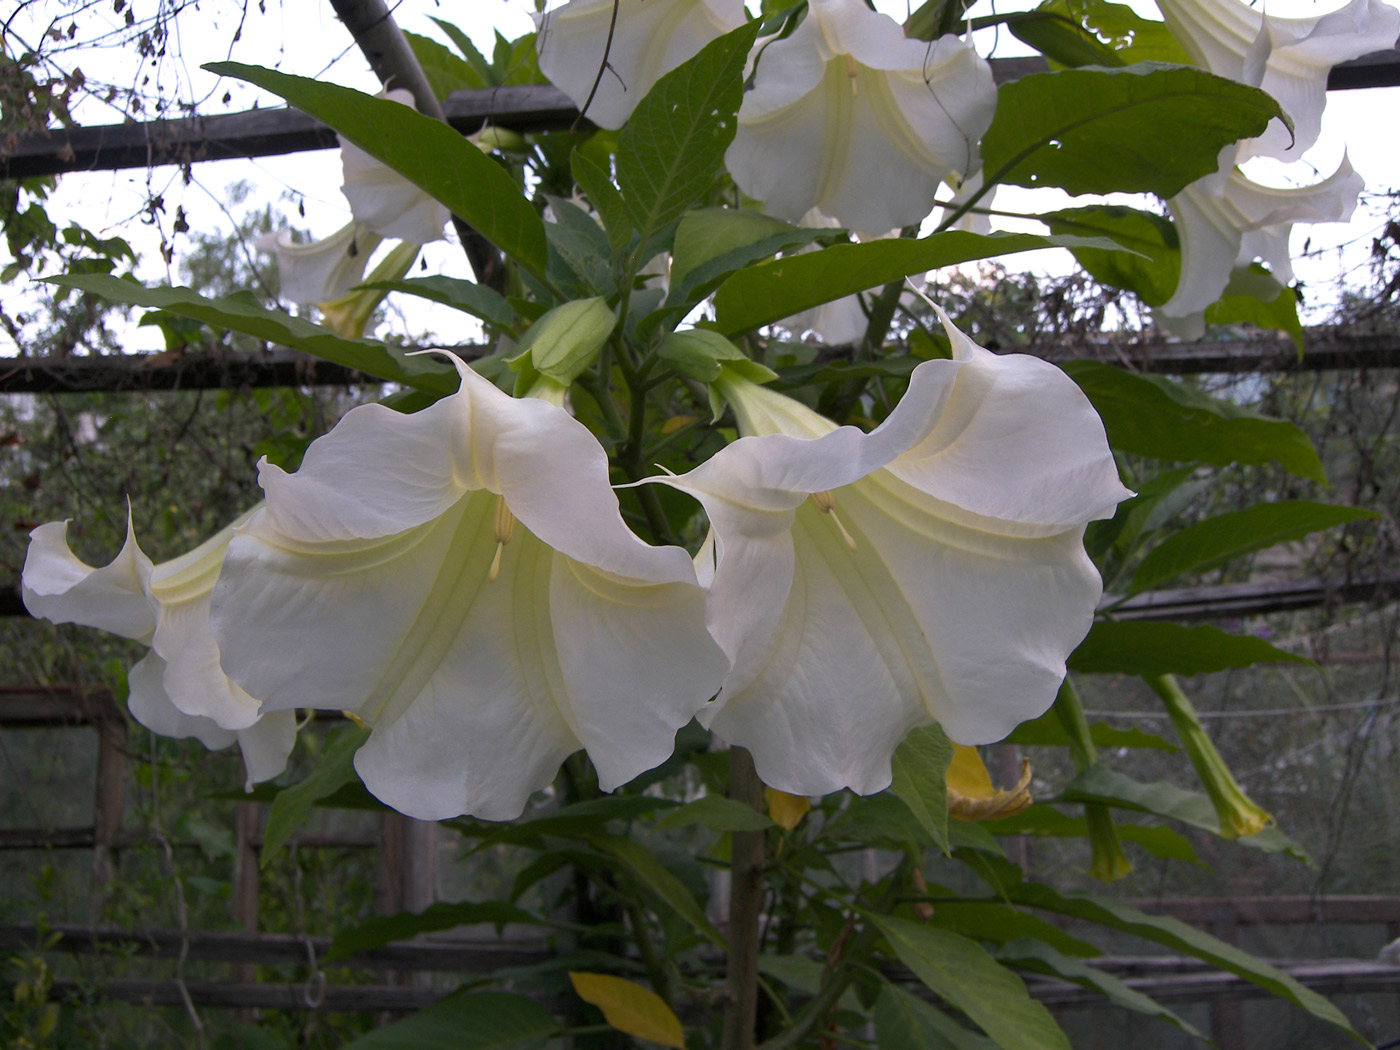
(566, 340)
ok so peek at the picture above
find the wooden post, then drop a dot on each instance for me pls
(109, 799)
(406, 879)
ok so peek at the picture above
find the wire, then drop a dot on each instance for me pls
(1276, 712)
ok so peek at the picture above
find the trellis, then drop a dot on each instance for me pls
(401, 843)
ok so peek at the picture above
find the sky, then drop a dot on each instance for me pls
(305, 38)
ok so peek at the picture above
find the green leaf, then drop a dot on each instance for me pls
(1144, 128)
(1149, 269)
(1100, 784)
(577, 821)
(920, 765)
(241, 313)
(1046, 820)
(1029, 954)
(1061, 39)
(1049, 731)
(475, 58)
(903, 1021)
(476, 299)
(630, 1008)
(466, 1021)
(1215, 541)
(646, 869)
(716, 813)
(580, 257)
(880, 820)
(997, 922)
(385, 929)
(1145, 648)
(333, 770)
(960, 972)
(1177, 935)
(607, 202)
(1254, 296)
(1133, 38)
(768, 292)
(676, 137)
(427, 152)
(712, 243)
(446, 72)
(1153, 416)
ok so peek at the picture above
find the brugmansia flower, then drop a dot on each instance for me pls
(1287, 57)
(178, 689)
(322, 270)
(648, 39)
(1227, 220)
(849, 116)
(462, 581)
(385, 202)
(932, 570)
(971, 796)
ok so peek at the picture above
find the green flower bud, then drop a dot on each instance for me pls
(566, 340)
(502, 139)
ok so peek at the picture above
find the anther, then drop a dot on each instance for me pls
(502, 526)
(827, 505)
(853, 71)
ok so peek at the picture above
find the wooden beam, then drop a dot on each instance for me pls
(524, 108)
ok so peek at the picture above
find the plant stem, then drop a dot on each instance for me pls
(745, 900)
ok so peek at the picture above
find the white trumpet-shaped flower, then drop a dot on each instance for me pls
(178, 689)
(1287, 57)
(461, 580)
(384, 201)
(1228, 220)
(849, 116)
(624, 49)
(932, 570)
(318, 271)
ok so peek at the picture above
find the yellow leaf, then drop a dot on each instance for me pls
(971, 796)
(675, 423)
(786, 810)
(630, 1008)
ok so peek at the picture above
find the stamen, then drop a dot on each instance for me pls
(827, 505)
(853, 71)
(355, 718)
(503, 526)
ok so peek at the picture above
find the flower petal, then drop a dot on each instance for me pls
(58, 587)
(384, 201)
(324, 269)
(648, 40)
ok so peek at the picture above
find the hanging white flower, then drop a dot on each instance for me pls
(1228, 220)
(1289, 58)
(850, 116)
(318, 271)
(385, 202)
(648, 39)
(462, 581)
(178, 689)
(932, 570)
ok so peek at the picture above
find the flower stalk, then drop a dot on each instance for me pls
(1107, 862)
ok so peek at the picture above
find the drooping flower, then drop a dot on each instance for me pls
(461, 580)
(1289, 58)
(385, 202)
(849, 116)
(649, 38)
(1227, 220)
(932, 570)
(971, 796)
(318, 271)
(177, 689)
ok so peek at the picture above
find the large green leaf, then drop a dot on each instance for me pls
(711, 243)
(1061, 39)
(905, 1022)
(1029, 954)
(426, 152)
(1145, 648)
(1151, 267)
(1215, 541)
(1177, 935)
(1099, 784)
(446, 71)
(1254, 296)
(676, 137)
(385, 929)
(995, 922)
(481, 302)
(716, 813)
(880, 820)
(920, 767)
(466, 1021)
(242, 313)
(1144, 128)
(1153, 416)
(768, 292)
(1046, 820)
(960, 972)
(1049, 731)
(647, 870)
(334, 769)
(1133, 38)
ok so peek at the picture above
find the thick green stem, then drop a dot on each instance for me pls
(1107, 862)
(745, 901)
